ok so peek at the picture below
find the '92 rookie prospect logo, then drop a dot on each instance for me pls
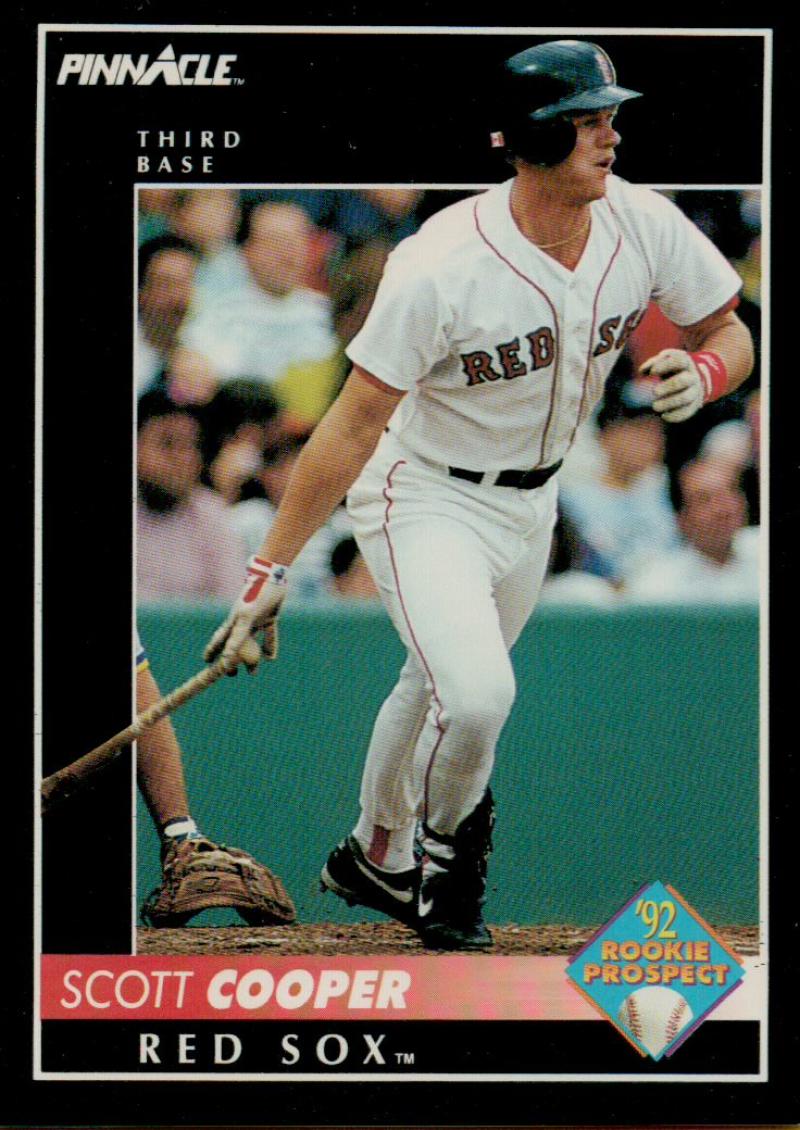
(656, 970)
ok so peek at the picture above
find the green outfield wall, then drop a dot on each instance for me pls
(632, 754)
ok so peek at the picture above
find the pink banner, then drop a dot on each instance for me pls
(449, 987)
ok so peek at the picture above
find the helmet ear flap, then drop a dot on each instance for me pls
(541, 143)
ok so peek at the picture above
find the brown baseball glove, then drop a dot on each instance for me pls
(199, 874)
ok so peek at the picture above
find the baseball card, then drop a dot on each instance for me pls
(408, 507)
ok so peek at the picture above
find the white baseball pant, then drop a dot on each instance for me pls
(459, 567)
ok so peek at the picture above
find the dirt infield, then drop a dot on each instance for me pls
(330, 939)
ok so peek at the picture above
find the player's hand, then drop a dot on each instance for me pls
(253, 615)
(682, 390)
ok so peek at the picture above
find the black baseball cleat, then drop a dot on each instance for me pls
(351, 876)
(453, 887)
(446, 919)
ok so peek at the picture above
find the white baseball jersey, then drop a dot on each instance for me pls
(502, 350)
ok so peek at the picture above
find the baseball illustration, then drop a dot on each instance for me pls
(655, 1015)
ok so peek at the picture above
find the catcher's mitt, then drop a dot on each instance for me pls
(199, 874)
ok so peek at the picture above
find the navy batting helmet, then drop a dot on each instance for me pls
(541, 88)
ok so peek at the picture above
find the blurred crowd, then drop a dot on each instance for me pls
(246, 302)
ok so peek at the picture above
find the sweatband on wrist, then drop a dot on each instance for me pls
(713, 374)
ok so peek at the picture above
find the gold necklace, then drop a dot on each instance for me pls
(569, 239)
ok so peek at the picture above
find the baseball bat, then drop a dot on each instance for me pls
(73, 777)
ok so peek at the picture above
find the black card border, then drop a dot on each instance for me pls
(777, 1100)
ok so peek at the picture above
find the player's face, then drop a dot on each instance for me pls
(584, 172)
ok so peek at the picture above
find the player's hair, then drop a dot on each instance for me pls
(238, 402)
(167, 242)
(155, 403)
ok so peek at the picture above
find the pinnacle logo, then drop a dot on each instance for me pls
(172, 70)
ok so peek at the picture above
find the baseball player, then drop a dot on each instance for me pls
(491, 336)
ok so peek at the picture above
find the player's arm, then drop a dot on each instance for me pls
(725, 334)
(328, 465)
(159, 768)
(718, 357)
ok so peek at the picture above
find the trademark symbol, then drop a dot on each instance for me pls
(238, 82)
(406, 1058)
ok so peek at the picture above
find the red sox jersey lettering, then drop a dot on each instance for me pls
(609, 327)
(478, 365)
(502, 351)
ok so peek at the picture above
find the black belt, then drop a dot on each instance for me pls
(522, 480)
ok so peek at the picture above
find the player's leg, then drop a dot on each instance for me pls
(388, 799)
(375, 866)
(517, 593)
(437, 584)
(448, 616)
(453, 885)
(436, 574)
